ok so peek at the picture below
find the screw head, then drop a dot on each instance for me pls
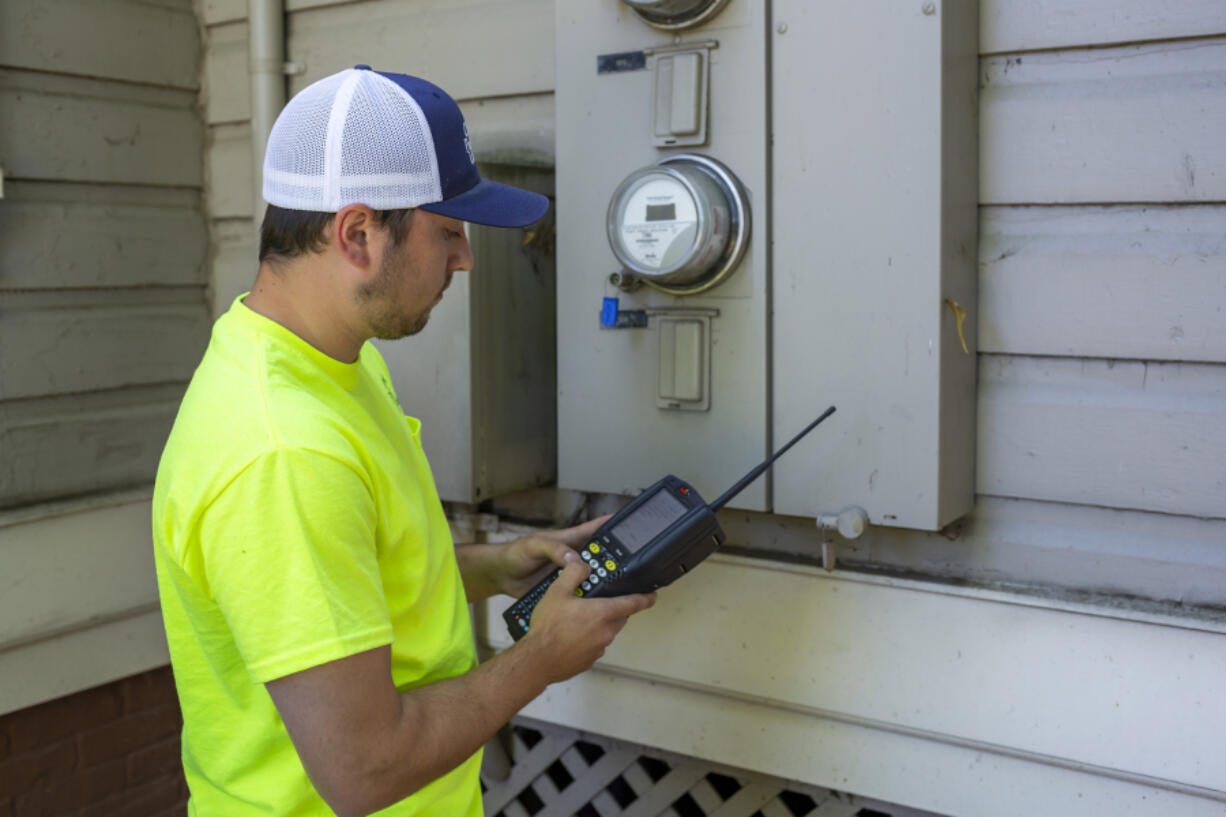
(782, 28)
(930, 8)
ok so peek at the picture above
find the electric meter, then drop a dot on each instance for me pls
(674, 15)
(680, 225)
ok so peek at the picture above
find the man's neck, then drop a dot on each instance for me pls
(299, 298)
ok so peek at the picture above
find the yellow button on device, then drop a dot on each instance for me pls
(595, 548)
(578, 591)
(610, 565)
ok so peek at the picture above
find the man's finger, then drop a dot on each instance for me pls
(625, 606)
(579, 534)
(561, 554)
(571, 576)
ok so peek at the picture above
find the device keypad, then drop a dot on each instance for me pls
(600, 556)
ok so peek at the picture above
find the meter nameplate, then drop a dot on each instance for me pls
(624, 61)
(659, 223)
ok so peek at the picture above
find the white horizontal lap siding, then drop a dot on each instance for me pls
(1128, 124)
(72, 343)
(51, 570)
(127, 40)
(1126, 434)
(83, 444)
(84, 130)
(57, 235)
(1027, 25)
(102, 319)
(1102, 255)
(475, 49)
(1144, 282)
(227, 83)
(229, 166)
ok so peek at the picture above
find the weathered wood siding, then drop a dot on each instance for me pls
(102, 240)
(103, 317)
(1102, 325)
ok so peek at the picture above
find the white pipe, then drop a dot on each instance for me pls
(266, 59)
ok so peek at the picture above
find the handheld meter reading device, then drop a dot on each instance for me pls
(653, 541)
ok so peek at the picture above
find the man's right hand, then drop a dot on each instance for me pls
(574, 632)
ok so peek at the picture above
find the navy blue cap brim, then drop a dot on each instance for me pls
(493, 204)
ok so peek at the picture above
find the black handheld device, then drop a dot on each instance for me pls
(650, 543)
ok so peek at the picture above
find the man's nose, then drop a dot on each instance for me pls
(462, 259)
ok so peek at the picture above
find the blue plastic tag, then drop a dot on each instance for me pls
(608, 313)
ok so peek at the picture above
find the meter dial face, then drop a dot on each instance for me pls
(658, 222)
(680, 225)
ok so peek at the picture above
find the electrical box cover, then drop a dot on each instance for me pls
(875, 219)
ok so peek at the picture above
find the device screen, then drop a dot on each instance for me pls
(662, 212)
(651, 518)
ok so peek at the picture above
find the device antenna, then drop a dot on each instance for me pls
(757, 471)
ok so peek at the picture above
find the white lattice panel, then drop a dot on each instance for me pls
(562, 773)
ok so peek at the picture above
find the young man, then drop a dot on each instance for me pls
(315, 606)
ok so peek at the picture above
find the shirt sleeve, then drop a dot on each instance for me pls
(290, 559)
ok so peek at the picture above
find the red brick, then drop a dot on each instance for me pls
(129, 734)
(179, 810)
(52, 721)
(140, 801)
(81, 788)
(159, 760)
(149, 690)
(37, 770)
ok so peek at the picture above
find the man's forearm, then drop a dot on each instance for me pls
(363, 755)
(444, 723)
(482, 569)
(365, 745)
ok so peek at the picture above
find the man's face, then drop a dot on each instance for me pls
(413, 274)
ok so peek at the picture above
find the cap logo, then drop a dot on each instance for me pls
(468, 145)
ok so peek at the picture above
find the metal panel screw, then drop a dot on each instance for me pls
(930, 8)
(782, 28)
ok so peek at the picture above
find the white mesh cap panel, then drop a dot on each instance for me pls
(351, 137)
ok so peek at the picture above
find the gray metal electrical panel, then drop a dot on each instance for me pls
(782, 200)
(684, 389)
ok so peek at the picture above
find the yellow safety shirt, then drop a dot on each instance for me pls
(296, 522)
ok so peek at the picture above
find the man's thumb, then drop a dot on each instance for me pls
(572, 576)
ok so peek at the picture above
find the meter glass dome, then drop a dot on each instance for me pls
(680, 224)
(658, 221)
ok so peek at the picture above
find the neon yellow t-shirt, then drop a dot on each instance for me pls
(295, 522)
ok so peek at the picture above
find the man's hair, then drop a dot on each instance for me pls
(287, 234)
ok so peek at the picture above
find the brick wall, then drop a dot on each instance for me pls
(112, 751)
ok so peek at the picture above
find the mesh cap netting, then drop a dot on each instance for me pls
(351, 137)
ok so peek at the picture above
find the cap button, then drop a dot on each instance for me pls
(361, 68)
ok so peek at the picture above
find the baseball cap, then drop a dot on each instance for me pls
(389, 141)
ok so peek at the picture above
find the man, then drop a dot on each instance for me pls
(315, 607)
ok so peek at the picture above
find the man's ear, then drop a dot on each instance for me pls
(354, 232)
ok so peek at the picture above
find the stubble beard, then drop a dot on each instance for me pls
(378, 301)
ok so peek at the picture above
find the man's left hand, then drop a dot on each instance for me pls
(527, 559)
